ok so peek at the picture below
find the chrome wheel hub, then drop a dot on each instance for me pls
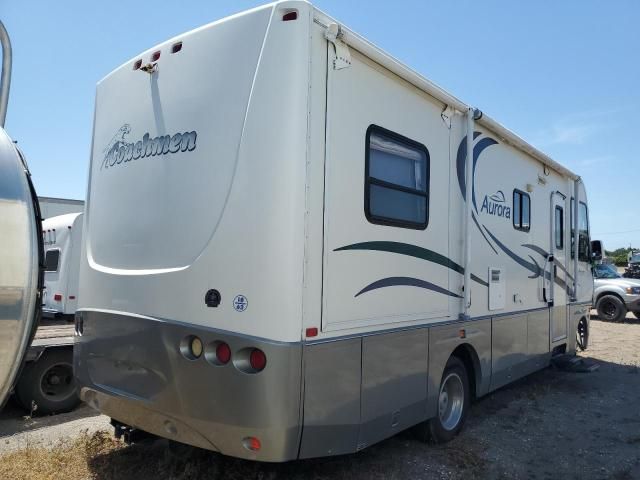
(451, 401)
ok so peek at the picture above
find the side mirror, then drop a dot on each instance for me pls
(596, 250)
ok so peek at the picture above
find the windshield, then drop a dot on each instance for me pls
(635, 258)
(605, 271)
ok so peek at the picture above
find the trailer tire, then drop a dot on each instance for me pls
(611, 308)
(48, 383)
(454, 400)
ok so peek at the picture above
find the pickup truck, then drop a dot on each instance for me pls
(613, 295)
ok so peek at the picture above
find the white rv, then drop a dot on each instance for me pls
(62, 238)
(296, 246)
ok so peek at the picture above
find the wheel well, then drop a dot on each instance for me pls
(467, 354)
(613, 294)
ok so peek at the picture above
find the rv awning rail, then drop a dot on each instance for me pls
(376, 54)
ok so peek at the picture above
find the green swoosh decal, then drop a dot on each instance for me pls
(411, 251)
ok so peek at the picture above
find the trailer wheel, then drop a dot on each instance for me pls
(48, 383)
(454, 400)
(611, 308)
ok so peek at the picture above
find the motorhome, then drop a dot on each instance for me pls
(296, 246)
(62, 238)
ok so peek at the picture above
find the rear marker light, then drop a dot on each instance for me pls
(57, 297)
(137, 65)
(155, 56)
(312, 332)
(72, 297)
(223, 353)
(287, 17)
(251, 443)
(257, 359)
(191, 347)
(196, 347)
(176, 47)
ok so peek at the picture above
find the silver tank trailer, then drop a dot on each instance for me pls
(21, 275)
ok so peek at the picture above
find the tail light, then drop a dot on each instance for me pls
(257, 360)
(57, 297)
(223, 353)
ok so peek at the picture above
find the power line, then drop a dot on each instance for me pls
(617, 233)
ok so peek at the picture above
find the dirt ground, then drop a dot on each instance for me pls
(552, 424)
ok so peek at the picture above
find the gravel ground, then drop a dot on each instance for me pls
(552, 424)
(17, 430)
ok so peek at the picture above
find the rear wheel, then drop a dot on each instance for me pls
(48, 384)
(453, 402)
(611, 308)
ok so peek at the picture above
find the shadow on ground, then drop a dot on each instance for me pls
(552, 424)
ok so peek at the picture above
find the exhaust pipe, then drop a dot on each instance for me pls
(5, 77)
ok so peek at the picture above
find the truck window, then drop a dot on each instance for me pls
(521, 211)
(396, 180)
(51, 260)
(559, 227)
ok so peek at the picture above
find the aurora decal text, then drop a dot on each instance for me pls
(120, 151)
(495, 205)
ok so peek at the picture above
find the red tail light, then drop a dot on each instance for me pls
(57, 297)
(257, 359)
(223, 353)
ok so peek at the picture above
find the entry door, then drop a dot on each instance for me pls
(559, 273)
(386, 200)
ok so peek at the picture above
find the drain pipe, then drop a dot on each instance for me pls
(576, 191)
(472, 115)
(5, 77)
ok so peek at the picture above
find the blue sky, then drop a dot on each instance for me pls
(563, 75)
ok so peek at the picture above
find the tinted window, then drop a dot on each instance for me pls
(559, 227)
(51, 260)
(521, 211)
(397, 180)
(583, 233)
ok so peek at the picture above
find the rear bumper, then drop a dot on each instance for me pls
(634, 305)
(131, 369)
(50, 312)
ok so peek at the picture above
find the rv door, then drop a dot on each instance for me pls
(559, 278)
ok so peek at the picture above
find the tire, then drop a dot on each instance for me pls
(451, 416)
(611, 308)
(48, 383)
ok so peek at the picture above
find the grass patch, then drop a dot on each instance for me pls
(67, 459)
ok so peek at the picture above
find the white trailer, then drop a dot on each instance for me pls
(279, 260)
(62, 238)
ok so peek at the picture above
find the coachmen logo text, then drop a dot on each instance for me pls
(495, 205)
(120, 151)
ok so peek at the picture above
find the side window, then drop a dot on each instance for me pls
(396, 180)
(583, 233)
(559, 227)
(521, 211)
(51, 259)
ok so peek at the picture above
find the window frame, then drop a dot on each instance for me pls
(557, 231)
(513, 199)
(46, 254)
(368, 181)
